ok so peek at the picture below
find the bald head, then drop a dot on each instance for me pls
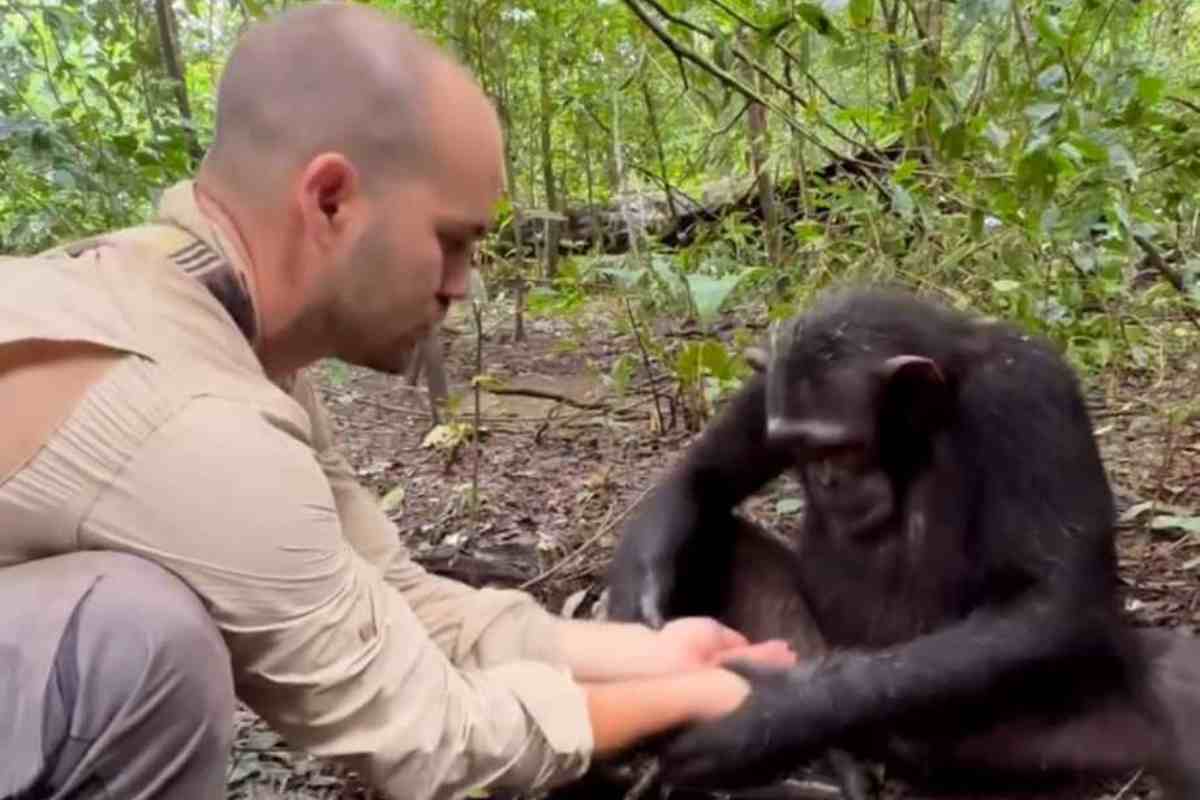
(326, 77)
(354, 166)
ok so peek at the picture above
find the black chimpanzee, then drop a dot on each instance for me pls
(952, 590)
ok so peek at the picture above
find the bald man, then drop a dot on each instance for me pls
(176, 525)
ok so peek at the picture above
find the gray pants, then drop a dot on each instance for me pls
(138, 701)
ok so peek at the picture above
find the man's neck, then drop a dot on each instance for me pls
(280, 343)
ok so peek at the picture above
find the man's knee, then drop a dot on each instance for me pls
(140, 700)
(142, 636)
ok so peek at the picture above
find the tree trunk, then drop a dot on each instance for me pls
(591, 183)
(517, 221)
(757, 126)
(652, 116)
(550, 245)
(891, 21)
(799, 168)
(173, 64)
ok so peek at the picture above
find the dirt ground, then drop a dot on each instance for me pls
(554, 479)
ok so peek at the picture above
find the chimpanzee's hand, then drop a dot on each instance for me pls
(776, 729)
(643, 575)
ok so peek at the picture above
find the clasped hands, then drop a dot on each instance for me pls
(739, 726)
(718, 687)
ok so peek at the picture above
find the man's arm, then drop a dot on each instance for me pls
(473, 627)
(477, 628)
(623, 713)
(329, 654)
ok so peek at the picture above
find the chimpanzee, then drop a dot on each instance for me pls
(952, 590)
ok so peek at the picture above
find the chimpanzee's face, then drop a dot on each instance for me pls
(821, 413)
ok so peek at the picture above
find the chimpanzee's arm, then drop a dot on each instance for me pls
(727, 463)
(954, 674)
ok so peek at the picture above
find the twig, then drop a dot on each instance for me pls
(591, 540)
(644, 781)
(545, 395)
(1129, 786)
(637, 333)
(721, 75)
(1174, 278)
(1022, 37)
(1188, 104)
(1092, 46)
(478, 314)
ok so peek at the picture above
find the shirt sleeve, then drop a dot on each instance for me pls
(327, 651)
(474, 627)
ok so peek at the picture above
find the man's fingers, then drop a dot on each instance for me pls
(771, 653)
(731, 638)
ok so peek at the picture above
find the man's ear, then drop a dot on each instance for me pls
(328, 185)
(915, 393)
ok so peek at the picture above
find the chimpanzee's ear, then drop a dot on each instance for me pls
(757, 358)
(916, 390)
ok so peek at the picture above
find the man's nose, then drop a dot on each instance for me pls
(457, 280)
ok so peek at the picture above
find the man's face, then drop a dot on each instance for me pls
(413, 256)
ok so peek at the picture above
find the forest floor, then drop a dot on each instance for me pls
(555, 478)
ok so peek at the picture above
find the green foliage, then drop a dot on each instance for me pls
(1033, 153)
(704, 372)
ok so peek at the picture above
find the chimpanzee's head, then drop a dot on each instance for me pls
(842, 377)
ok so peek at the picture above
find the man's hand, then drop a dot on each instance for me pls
(624, 713)
(610, 651)
(697, 642)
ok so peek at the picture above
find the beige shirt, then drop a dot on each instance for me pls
(186, 454)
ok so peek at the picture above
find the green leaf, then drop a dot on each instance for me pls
(788, 505)
(698, 359)
(1004, 285)
(997, 135)
(902, 202)
(1151, 88)
(1120, 158)
(1190, 524)
(1049, 29)
(976, 223)
(816, 17)
(722, 52)
(710, 293)
(63, 179)
(777, 25)
(1040, 113)
(861, 13)
(626, 278)
(954, 141)
(904, 170)
(663, 267)
(804, 54)
(1053, 77)
(1090, 149)
(393, 499)
(1038, 172)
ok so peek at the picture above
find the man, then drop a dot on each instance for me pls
(175, 523)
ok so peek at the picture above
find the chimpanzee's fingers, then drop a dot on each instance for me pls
(652, 597)
(696, 756)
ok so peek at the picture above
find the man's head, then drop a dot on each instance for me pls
(359, 164)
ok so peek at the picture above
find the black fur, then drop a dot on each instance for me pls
(959, 563)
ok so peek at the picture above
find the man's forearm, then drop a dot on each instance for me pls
(610, 651)
(625, 712)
